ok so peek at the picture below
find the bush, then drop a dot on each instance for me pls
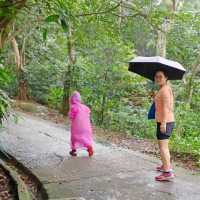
(186, 137)
(130, 120)
(4, 104)
(55, 97)
(40, 79)
(4, 99)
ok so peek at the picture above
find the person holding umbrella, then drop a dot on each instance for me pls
(160, 70)
(164, 116)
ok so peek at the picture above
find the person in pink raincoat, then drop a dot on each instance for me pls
(81, 129)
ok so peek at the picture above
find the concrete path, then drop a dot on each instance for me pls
(112, 174)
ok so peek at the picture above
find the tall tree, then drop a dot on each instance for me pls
(8, 12)
(20, 60)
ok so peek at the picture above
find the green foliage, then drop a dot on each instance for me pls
(186, 139)
(40, 81)
(4, 99)
(52, 18)
(55, 97)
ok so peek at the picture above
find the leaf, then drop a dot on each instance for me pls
(52, 18)
(2, 109)
(64, 25)
(45, 32)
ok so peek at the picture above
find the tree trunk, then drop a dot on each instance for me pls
(102, 109)
(103, 100)
(162, 41)
(190, 85)
(10, 8)
(165, 28)
(120, 15)
(17, 54)
(19, 59)
(69, 73)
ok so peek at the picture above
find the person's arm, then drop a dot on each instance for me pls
(165, 99)
(73, 112)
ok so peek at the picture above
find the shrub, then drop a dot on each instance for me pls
(4, 99)
(55, 97)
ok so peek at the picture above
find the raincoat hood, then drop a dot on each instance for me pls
(75, 98)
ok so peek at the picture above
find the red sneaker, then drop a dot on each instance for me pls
(161, 169)
(90, 151)
(73, 153)
(166, 176)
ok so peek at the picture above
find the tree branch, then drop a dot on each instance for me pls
(125, 16)
(11, 4)
(99, 12)
(140, 13)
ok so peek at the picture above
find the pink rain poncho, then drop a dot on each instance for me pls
(81, 130)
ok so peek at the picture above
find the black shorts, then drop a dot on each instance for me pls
(164, 136)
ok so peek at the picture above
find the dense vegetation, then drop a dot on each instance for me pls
(50, 48)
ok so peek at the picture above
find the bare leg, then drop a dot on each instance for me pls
(161, 155)
(165, 154)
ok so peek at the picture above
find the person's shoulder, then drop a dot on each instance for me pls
(166, 90)
(86, 107)
(169, 88)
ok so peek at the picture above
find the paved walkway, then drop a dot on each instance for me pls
(112, 174)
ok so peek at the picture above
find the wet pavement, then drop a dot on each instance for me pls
(112, 174)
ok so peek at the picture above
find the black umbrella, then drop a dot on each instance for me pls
(147, 67)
